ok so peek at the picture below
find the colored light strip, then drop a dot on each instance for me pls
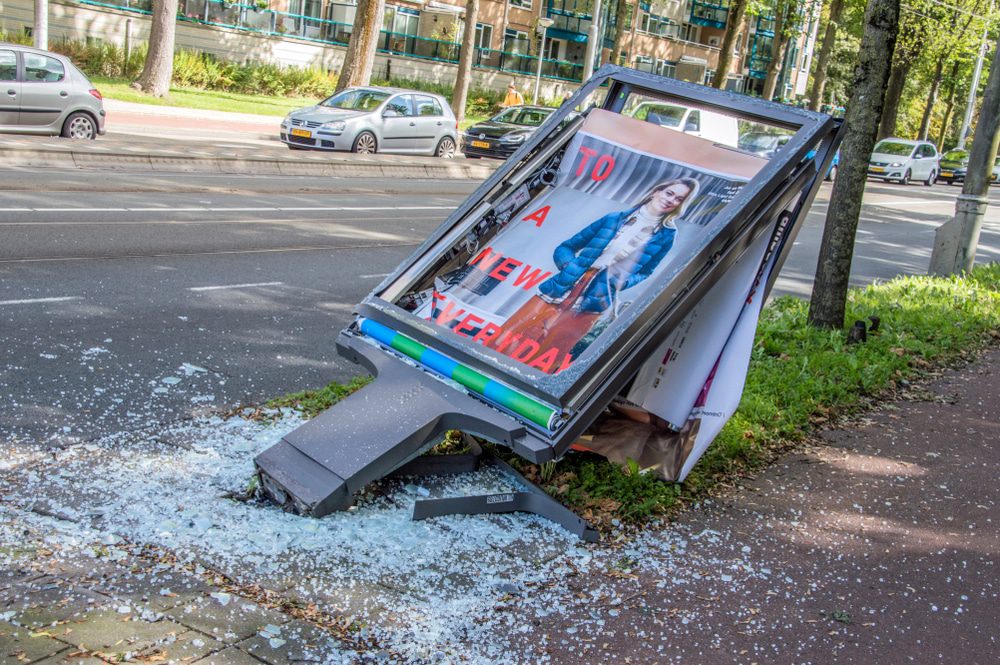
(480, 384)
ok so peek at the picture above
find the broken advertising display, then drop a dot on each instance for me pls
(600, 290)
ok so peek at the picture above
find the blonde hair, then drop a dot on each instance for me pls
(692, 185)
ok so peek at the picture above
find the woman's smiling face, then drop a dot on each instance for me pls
(669, 198)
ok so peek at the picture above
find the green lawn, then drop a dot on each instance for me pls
(209, 100)
(214, 100)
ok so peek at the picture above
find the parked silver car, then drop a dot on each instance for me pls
(375, 119)
(44, 93)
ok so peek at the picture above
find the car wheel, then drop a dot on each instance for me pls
(832, 175)
(365, 144)
(445, 148)
(905, 180)
(79, 125)
(931, 178)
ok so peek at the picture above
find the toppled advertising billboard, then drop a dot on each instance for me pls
(599, 291)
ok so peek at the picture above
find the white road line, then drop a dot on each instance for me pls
(239, 209)
(233, 286)
(78, 209)
(31, 301)
(381, 274)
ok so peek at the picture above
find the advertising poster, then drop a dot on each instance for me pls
(630, 201)
(699, 373)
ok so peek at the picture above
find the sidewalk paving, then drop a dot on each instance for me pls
(875, 544)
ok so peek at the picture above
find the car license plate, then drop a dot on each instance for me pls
(877, 169)
(946, 174)
(480, 144)
(305, 133)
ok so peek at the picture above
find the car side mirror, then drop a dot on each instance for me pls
(918, 157)
(390, 113)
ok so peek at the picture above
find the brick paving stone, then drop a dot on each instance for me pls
(111, 632)
(298, 642)
(230, 623)
(17, 644)
(48, 601)
(229, 656)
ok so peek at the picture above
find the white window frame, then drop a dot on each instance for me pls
(481, 30)
(520, 4)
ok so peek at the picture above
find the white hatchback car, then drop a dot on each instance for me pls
(903, 160)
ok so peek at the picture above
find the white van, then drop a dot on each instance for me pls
(697, 122)
(902, 159)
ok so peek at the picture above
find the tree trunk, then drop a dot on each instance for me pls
(360, 56)
(949, 107)
(925, 121)
(465, 59)
(734, 24)
(893, 95)
(40, 31)
(829, 296)
(621, 14)
(159, 67)
(825, 53)
(778, 44)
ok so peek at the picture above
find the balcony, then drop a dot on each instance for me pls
(709, 14)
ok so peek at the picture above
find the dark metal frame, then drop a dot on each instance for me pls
(620, 345)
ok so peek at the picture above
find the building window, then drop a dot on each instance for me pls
(661, 26)
(401, 21)
(666, 68)
(523, 4)
(484, 36)
(644, 63)
(515, 41)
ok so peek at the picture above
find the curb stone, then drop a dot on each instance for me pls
(342, 167)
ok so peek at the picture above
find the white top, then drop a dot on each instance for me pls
(633, 234)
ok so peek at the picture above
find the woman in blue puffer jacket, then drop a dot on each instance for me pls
(612, 254)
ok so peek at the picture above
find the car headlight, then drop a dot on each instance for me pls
(334, 125)
(896, 164)
(513, 138)
(287, 121)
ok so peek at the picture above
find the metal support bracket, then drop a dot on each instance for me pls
(531, 500)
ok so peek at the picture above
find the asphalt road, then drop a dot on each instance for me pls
(129, 300)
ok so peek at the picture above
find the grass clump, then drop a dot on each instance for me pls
(312, 402)
(800, 378)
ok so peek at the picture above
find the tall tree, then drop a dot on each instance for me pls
(159, 65)
(829, 297)
(360, 57)
(950, 105)
(465, 59)
(785, 27)
(825, 51)
(946, 49)
(622, 12)
(40, 32)
(734, 26)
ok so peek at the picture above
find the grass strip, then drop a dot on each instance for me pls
(800, 378)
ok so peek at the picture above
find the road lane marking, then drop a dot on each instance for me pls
(221, 252)
(32, 301)
(381, 274)
(236, 209)
(233, 286)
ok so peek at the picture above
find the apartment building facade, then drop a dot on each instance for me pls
(677, 38)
